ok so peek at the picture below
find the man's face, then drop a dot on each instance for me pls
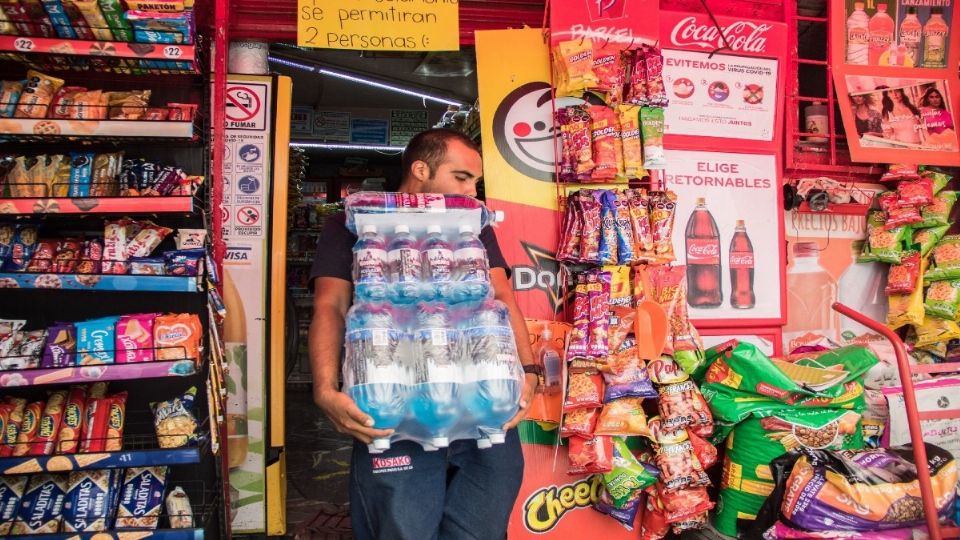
(458, 173)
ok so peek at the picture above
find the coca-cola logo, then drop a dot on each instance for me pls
(741, 260)
(742, 36)
(704, 250)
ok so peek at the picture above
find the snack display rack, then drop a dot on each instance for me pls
(42, 298)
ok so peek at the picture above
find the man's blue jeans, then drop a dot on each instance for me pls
(459, 492)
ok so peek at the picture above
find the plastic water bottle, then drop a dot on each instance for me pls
(374, 374)
(471, 268)
(370, 265)
(378, 202)
(437, 394)
(437, 264)
(552, 363)
(494, 369)
(404, 261)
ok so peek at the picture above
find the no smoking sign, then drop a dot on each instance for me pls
(248, 216)
(246, 106)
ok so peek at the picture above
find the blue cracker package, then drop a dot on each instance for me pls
(95, 341)
(88, 500)
(183, 262)
(81, 170)
(158, 27)
(41, 507)
(141, 498)
(58, 16)
(11, 490)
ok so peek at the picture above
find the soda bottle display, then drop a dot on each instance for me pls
(374, 374)
(403, 256)
(705, 288)
(437, 395)
(741, 269)
(882, 29)
(858, 35)
(471, 268)
(370, 265)
(935, 40)
(811, 291)
(437, 263)
(493, 368)
(911, 32)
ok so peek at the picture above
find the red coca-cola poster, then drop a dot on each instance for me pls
(729, 234)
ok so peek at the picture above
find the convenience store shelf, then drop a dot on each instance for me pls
(54, 129)
(160, 534)
(100, 460)
(98, 282)
(52, 53)
(96, 373)
(97, 205)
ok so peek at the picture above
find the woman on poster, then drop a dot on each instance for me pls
(901, 119)
(866, 115)
(937, 120)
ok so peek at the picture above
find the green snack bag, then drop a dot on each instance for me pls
(946, 260)
(940, 179)
(942, 300)
(113, 14)
(928, 238)
(887, 246)
(937, 213)
(628, 476)
(875, 221)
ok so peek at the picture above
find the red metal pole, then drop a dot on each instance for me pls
(913, 418)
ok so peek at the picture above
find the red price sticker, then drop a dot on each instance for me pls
(23, 44)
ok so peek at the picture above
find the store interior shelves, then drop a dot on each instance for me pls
(97, 373)
(97, 205)
(98, 282)
(52, 53)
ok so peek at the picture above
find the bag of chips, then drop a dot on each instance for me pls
(936, 330)
(580, 335)
(663, 209)
(625, 376)
(623, 417)
(584, 391)
(653, 524)
(605, 132)
(875, 219)
(937, 213)
(927, 238)
(592, 455)
(902, 278)
(598, 294)
(609, 69)
(592, 227)
(915, 193)
(626, 247)
(37, 95)
(628, 478)
(904, 309)
(656, 92)
(679, 467)
(943, 299)
(629, 116)
(175, 421)
(580, 422)
(608, 228)
(682, 405)
(626, 515)
(887, 245)
(575, 59)
(902, 216)
(651, 127)
(939, 178)
(900, 171)
(946, 260)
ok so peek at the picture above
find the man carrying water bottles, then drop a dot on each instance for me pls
(407, 493)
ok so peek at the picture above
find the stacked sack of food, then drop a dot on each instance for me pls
(766, 407)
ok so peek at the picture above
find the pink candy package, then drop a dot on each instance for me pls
(598, 287)
(134, 341)
(579, 337)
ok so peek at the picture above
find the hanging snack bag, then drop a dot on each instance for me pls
(175, 421)
(580, 335)
(640, 221)
(937, 213)
(592, 229)
(651, 127)
(887, 245)
(682, 405)
(567, 160)
(928, 238)
(624, 417)
(626, 246)
(936, 330)
(580, 422)
(946, 260)
(599, 296)
(629, 117)
(663, 209)
(581, 142)
(656, 93)
(943, 299)
(679, 467)
(904, 309)
(608, 68)
(939, 178)
(593, 455)
(604, 132)
(626, 515)
(637, 81)
(63, 105)
(576, 60)
(584, 391)
(626, 376)
(915, 193)
(37, 95)
(875, 220)
(608, 228)
(903, 277)
(900, 171)
(628, 478)
(568, 248)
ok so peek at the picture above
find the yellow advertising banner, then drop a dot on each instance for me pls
(375, 25)
(516, 116)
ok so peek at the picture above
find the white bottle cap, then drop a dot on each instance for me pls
(369, 229)
(381, 444)
(434, 229)
(498, 438)
(428, 447)
(440, 442)
(401, 229)
(484, 443)
(498, 216)
(466, 228)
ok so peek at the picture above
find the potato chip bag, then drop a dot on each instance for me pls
(628, 477)
(580, 335)
(177, 336)
(598, 294)
(936, 330)
(663, 210)
(38, 93)
(581, 141)
(590, 455)
(584, 391)
(946, 260)
(626, 516)
(901, 216)
(928, 238)
(624, 417)
(651, 128)
(875, 220)
(887, 245)
(576, 63)
(629, 117)
(940, 179)
(904, 309)
(943, 298)
(592, 227)
(625, 375)
(937, 213)
(605, 133)
(175, 420)
(900, 171)
(609, 70)
(608, 228)
(637, 83)
(679, 467)
(915, 193)
(902, 277)
(579, 422)
(656, 92)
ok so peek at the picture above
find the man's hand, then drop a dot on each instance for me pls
(530, 382)
(348, 418)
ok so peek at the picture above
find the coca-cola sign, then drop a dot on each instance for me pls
(741, 260)
(703, 251)
(741, 36)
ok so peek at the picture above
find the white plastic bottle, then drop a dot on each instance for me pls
(403, 255)
(471, 267)
(437, 264)
(858, 35)
(811, 292)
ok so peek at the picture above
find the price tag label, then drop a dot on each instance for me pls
(172, 51)
(23, 44)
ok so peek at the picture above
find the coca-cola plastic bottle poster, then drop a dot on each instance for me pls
(729, 234)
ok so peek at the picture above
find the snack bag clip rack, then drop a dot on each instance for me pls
(914, 416)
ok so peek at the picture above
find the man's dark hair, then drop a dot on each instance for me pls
(430, 147)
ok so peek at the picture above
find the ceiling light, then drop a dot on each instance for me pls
(360, 80)
(345, 146)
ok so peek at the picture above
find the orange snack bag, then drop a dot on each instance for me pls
(177, 336)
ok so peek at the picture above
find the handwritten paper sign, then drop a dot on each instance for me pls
(378, 25)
